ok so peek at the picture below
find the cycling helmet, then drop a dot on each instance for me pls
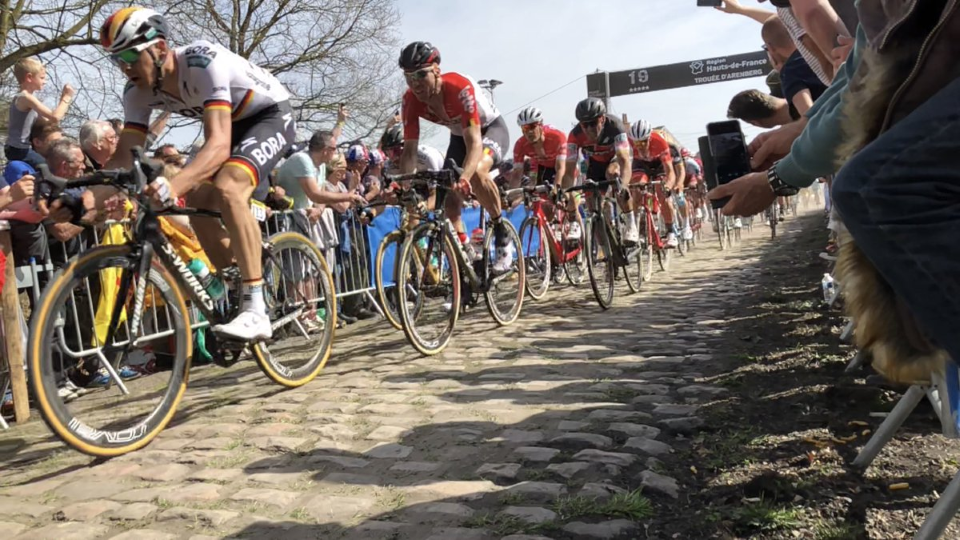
(376, 157)
(418, 54)
(393, 137)
(530, 115)
(131, 26)
(590, 109)
(640, 130)
(357, 153)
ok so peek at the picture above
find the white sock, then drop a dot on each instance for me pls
(631, 219)
(253, 296)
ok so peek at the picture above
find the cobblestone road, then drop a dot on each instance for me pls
(496, 438)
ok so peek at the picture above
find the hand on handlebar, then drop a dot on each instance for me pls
(161, 192)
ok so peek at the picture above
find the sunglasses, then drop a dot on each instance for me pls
(590, 124)
(418, 75)
(130, 56)
(529, 127)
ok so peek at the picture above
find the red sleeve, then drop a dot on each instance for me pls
(573, 146)
(459, 94)
(518, 150)
(558, 144)
(410, 113)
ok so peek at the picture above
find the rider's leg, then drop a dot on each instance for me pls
(210, 232)
(236, 185)
(669, 213)
(485, 189)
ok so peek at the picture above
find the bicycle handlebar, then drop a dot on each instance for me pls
(141, 173)
(591, 185)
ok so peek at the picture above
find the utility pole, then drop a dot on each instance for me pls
(489, 85)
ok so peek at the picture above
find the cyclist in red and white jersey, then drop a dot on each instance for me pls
(602, 138)
(544, 145)
(652, 159)
(248, 125)
(428, 157)
(478, 134)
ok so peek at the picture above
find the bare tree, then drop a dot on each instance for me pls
(33, 27)
(326, 53)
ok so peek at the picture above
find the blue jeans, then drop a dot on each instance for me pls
(900, 199)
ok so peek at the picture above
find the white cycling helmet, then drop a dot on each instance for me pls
(530, 115)
(640, 130)
(131, 26)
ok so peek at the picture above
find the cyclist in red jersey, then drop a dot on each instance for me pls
(478, 134)
(602, 138)
(543, 144)
(652, 159)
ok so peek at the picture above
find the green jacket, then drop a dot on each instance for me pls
(813, 153)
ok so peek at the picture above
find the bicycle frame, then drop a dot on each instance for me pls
(555, 246)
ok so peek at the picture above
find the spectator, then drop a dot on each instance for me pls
(761, 110)
(358, 163)
(168, 153)
(66, 160)
(818, 60)
(117, 125)
(25, 107)
(98, 141)
(801, 87)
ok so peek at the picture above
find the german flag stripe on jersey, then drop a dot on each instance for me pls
(218, 104)
(245, 166)
(247, 98)
(134, 127)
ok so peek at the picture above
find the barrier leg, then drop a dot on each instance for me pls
(943, 512)
(889, 427)
(847, 332)
(13, 345)
(3, 392)
(856, 362)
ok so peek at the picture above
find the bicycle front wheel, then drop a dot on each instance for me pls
(388, 297)
(504, 292)
(536, 256)
(430, 298)
(600, 264)
(301, 300)
(67, 349)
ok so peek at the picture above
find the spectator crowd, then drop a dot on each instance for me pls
(865, 99)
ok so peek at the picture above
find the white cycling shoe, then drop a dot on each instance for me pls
(574, 232)
(248, 326)
(687, 233)
(672, 241)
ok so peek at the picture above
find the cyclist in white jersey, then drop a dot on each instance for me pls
(247, 126)
(428, 158)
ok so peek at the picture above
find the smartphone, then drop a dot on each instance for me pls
(709, 3)
(728, 147)
(710, 169)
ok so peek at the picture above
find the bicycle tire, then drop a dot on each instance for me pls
(647, 243)
(40, 358)
(390, 309)
(509, 316)
(592, 235)
(407, 317)
(326, 294)
(527, 229)
(637, 252)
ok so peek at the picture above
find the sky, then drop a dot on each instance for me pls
(542, 50)
(537, 46)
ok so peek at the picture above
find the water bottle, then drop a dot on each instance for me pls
(829, 289)
(476, 240)
(211, 284)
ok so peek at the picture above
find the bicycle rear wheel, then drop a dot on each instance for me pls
(388, 296)
(66, 342)
(504, 293)
(536, 256)
(299, 292)
(600, 265)
(430, 300)
(722, 229)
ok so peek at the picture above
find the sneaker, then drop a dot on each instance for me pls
(574, 232)
(66, 394)
(687, 233)
(738, 223)
(103, 376)
(672, 241)
(346, 319)
(504, 260)
(248, 326)
(364, 314)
